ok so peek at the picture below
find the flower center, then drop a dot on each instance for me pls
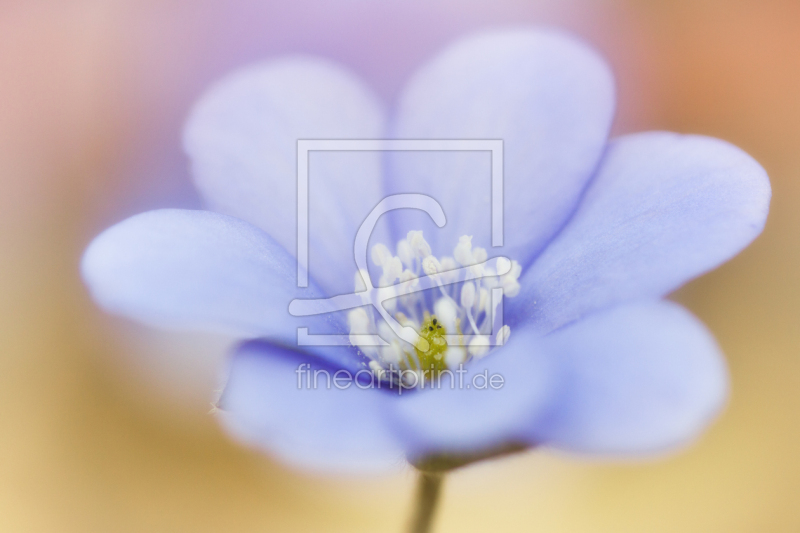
(454, 321)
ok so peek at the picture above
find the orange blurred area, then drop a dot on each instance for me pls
(94, 440)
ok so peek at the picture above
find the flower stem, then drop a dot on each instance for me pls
(428, 490)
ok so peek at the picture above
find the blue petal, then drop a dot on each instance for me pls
(242, 140)
(663, 209)
(638, 379)
(269, 405)
(204, 271)
(547, 96)
(463, 414)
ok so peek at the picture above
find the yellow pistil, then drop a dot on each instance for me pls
(432, 360)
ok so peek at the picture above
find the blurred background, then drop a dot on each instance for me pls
(105, 425)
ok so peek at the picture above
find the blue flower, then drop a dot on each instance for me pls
(594, 362)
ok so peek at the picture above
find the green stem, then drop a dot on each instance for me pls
(428, 490)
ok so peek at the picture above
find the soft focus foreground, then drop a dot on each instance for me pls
(94, 442)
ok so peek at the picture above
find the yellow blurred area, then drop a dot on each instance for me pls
(88, 444)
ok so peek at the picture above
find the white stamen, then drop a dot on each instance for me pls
(509, 281)
(463, 251)
(431, 265)
(408, 281)
(418, 244)
(490, 278)
(380, 254)
(479, 255)
(392, 354)
(448, 265)
(358, 321)
(405, 253)
(454, 356)
(503, 335)
(392, 268)
(483, 299)
(447, 313)
(409, 277)
(468, 295)
(479, 346)
(407, 322)
(503, 266)
(511, 288)
(385, 332)
(388, 297)
(377, 369)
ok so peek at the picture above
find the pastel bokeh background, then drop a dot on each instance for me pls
(105, 424)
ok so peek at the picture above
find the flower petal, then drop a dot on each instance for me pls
(482, 407)
(242, 138)
(638, 379)
(271, 403)
(201, 270)
(547, 96)
(663, 209)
